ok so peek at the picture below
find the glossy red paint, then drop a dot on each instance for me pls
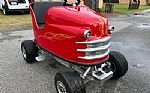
(64, 26)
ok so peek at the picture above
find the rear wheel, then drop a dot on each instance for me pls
(119, 64)
(27, 12)
(69, 82)
(29, 51)
(5, 12)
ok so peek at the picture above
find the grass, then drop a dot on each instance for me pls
(14, 20)
(123, 8)
(19, 20)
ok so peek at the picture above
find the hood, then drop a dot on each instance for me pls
(80, 16)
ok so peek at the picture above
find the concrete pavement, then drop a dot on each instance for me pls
(19, 77)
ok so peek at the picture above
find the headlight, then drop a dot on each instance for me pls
(87, 34)
(111, 28)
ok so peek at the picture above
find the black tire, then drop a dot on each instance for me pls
(27, 12)
(5, 12)
(119, 64)
(72, 82)
(29, 51)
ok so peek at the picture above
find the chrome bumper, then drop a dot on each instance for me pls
(95, 49)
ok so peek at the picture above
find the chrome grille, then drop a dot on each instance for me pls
(95, 49)
(96, 52)
(97, 44)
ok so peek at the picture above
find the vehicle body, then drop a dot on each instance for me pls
(14, 5)
(76, 37)
(63, 35)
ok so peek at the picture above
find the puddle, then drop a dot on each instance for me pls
(139, 65)
(144, 25)
(142, 15)
(138, 14)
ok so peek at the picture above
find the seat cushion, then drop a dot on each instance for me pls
(40, 9)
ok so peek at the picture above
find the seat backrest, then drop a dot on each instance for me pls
(40, 9)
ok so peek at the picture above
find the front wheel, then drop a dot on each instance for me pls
(69, 82)
(119, 64)
(29, 51)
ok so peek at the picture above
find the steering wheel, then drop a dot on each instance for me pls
(73, 4)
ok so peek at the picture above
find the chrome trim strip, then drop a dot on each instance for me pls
(96, 56)
(95, 41)
(94, 49)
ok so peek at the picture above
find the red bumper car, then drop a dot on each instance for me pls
(76, 37)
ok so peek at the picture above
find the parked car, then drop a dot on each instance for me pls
(14, 5)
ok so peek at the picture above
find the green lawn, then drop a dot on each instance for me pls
(19, 20)
(13, 21)
(123, 8)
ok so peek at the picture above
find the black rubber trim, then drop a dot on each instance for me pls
(17, 10)
(72, 62)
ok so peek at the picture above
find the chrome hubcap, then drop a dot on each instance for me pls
(24, 52)
(60, 87)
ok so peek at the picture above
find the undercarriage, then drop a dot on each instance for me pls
(77, 75)
(102, 71)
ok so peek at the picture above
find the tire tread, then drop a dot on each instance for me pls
(121, 64)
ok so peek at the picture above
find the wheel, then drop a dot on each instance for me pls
(29, 51)
(119, 64)
(27, 12)
(4, 11)
(69, 82)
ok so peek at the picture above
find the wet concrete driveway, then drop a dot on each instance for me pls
(131, 38)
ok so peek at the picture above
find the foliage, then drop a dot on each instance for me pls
(123, 8)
